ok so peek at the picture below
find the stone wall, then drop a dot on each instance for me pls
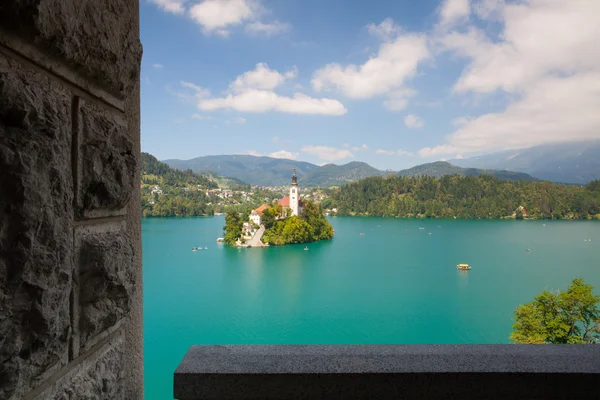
(70, 244)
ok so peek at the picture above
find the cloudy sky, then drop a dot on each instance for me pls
(394, 83)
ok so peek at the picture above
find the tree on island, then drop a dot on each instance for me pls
(309, 226)
(233, 227)
(569, 317)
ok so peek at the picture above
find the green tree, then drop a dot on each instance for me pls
(565, 317)
(232, 228)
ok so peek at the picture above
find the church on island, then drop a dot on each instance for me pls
(290, 205)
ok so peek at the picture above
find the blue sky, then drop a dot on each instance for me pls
(393, 83)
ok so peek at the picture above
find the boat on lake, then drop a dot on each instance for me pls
(463, 266)
(306, 248)
(194, 249)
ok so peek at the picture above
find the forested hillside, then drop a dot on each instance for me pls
(440, 168)
(465, 197)
(157, 172)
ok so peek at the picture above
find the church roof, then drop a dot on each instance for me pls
(260, 209)
(285, 202)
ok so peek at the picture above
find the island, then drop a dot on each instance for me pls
(287, 221)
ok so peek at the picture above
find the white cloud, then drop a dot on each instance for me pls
(262, 77)
(252, 153)
(452, 11)
(157, 66)
(267, 29)
(263, 100)
(398, 99)
(545, 60)
(414, 122)
(327, 153)
(201, 117)
(361, 148)
(240, 120)
(386, 30)
(488, 8)
(284, 154)
(250, 93)
(540, 38)
(385, 73)
(275, 139)
(385, 152)
(172, 6)
(460, 121)
(200, 92)
(398, 152)
(219, 16)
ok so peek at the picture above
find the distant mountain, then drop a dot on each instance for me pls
(441, 168)
(335, 175)
(268, 171)
(263, 171)
(571, 162)
(154, 172)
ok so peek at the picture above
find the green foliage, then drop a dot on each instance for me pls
(440, 168)
(170, 176)
(183, 192)
(233, 227)
(563, 318)
(310, 226)
(463, 197)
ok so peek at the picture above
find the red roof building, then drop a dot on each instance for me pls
(285, 202)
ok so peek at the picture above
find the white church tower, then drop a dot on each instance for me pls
(294, 195)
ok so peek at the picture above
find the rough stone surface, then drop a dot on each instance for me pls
(35, 226)
(107, 160)
(106, 278)
(389, 372)
(99, 38)
(97, 378)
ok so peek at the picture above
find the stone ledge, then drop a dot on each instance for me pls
(388, 371)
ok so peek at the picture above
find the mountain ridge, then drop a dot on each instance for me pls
(269, 171)
(575, 162)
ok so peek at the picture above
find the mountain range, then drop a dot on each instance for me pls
(440, 168)
(570, 162)
(267, 171)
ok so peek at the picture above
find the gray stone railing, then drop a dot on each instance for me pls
(388, 371)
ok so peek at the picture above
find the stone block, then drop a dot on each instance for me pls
(36, 237)
(99, 377)
(98, 38)
(107, 163)
(106, 280)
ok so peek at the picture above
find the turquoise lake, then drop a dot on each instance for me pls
(396, 284)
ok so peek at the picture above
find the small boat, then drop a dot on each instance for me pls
(205, 248)
(429, 233)
(422, 229)
(362, 234)
(463, 266)
(194, 249)
(528, 250)
(219, 240)
(306, 248)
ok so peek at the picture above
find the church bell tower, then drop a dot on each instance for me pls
(294, 195)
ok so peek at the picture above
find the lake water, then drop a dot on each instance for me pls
(396, 284)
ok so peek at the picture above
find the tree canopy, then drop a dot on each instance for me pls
(309, 226)
(561, 318)
(451, 196)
